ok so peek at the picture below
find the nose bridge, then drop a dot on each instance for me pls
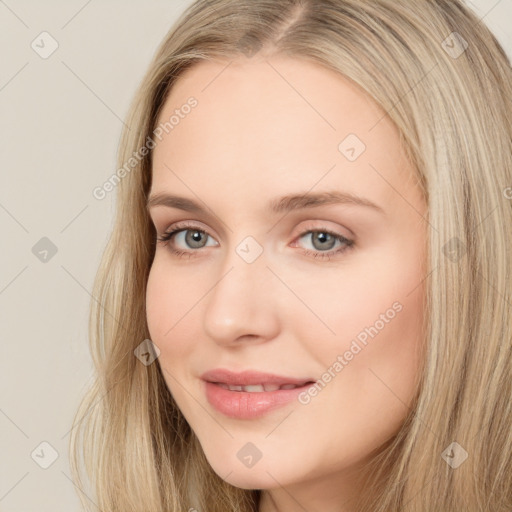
(240, 302)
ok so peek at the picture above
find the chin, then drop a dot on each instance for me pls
(235, 473)
(248, 479)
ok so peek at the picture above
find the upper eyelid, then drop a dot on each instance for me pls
(184, 226)
(301, 215)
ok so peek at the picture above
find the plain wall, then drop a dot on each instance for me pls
(61, 119)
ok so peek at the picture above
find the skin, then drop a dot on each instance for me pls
(253, 137)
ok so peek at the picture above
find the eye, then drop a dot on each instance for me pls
(322, 240)
(191, 235)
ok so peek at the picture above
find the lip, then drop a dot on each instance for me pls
(248, 405)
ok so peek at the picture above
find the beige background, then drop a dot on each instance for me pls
(60, 122)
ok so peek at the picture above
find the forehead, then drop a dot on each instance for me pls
(271, 124)
(273, 94)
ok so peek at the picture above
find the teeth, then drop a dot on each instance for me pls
(288, 386)
(257, 388)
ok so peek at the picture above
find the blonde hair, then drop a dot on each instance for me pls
(452, 105)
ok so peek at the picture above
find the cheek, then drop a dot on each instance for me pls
(379, 332)
(168, 300)
(390, 363)
(377, 318)
(364, 301)
(173, 326)
(164, 309)
(157, 301)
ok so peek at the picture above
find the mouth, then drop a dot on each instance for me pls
(260, 388)
(251, 394)
(252, 381)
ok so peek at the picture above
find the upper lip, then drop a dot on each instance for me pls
(250, 377)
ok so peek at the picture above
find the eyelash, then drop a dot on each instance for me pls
(166, 237)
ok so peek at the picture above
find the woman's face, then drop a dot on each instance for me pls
(323, 289)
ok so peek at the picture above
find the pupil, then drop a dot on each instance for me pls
(323, 238)
(194, 237)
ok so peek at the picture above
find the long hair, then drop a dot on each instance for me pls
(443, 79)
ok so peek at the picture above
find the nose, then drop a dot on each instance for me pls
(243, 303)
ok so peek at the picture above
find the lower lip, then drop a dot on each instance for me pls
(245, 405)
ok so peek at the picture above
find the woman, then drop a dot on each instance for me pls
(241, 365)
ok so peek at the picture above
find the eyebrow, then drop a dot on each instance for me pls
(283, 204)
